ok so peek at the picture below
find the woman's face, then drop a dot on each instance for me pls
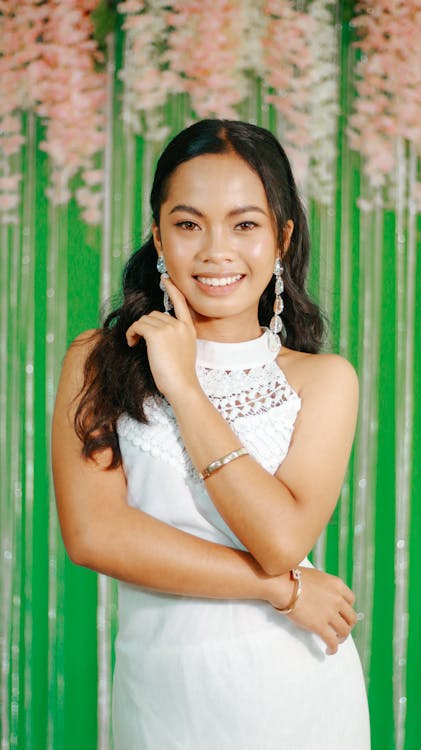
(218, 239)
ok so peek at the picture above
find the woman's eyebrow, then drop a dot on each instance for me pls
(187, 209)
(246, 209)
(233, 212)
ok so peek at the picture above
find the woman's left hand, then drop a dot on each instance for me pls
(171, 345)
(325, 607)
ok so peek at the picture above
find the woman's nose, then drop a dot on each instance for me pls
(216, 248)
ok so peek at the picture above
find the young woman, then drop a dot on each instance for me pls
(197, 460)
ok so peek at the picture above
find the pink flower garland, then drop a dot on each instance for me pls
(50, 63)
(147, 80)
(70, 93)
(18, 47)
(289, 71)
(209, 48)
(388, 106)
(324, 111)
(205, 52)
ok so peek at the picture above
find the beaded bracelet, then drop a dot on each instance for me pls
(295, 575)
(215, 465)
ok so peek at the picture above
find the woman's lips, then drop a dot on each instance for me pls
(217, 286)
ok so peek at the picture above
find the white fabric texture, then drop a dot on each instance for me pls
(199, 674)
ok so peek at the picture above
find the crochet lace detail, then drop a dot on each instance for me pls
(258, 404)
(160, 436)
(243, 393)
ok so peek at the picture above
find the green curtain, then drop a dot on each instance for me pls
(58, 621)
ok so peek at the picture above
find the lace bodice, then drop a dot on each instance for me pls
(246, 385)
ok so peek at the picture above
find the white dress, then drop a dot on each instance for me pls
(205, 674)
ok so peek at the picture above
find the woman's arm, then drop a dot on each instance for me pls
(277, 518)
(102, 532)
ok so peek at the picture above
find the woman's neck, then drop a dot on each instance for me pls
(229, 330)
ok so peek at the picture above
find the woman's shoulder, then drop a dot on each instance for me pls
(86, 339)
(306, 372)
(72, 372)
(82, 345)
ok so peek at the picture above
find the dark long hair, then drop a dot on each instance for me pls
(118, 378)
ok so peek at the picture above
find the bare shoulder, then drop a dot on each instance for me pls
(77, 353)
(327, 385)
(73, 369)
(310, 372)
(69, 394)
(82, 345)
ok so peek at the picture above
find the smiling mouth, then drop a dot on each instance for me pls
(219, 280)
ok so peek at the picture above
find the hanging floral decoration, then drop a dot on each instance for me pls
(214, 49)
(50, 65)
(324, 103)
(388, 106)
(18, 34)
(253, 25)
(289, 72)
(204, 49)
(148, 82)
(53, 69)
(69, 93)
(216, 52)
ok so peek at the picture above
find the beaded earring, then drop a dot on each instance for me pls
(276, 325)
(162, 269)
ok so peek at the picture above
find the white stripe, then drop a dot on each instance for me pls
(28, 333)
(345, 310)
(14, 410)
(365, 467)
(405, 318)
(56, 322)
(9, 447)
(103, 584)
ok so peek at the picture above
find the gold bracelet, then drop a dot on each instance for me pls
(215, 465)
(295, 575)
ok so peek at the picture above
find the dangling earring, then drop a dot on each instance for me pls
(162, 269)
(276, 325)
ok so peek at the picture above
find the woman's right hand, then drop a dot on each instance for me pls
(325, 607)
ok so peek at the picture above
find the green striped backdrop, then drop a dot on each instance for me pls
(58, 621)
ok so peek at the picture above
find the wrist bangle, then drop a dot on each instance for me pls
(295, 575)
(215, 465)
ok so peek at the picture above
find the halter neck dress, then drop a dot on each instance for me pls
(207, 674)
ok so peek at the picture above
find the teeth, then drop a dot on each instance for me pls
(225, 281)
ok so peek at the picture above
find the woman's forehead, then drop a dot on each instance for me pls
(216, 179)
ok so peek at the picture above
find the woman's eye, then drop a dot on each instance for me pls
(188, 225)
(245, 225)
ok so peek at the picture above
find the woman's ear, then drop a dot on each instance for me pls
(156, 236)
(286, 236)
